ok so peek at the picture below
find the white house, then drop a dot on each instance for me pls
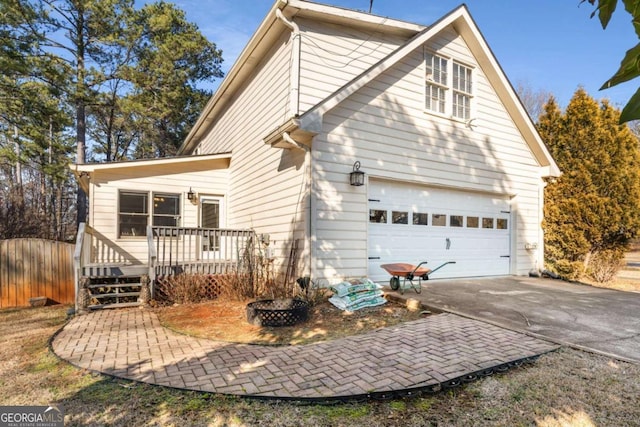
(454, 169)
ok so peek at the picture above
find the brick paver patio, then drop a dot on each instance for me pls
(422, 354)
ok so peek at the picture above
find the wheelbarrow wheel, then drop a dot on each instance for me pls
(394, 283)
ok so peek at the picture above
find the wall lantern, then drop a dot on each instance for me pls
(356, 178)
(191, 195)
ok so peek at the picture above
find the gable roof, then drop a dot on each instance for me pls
(465, 26)
(262, 40)
(309, 123)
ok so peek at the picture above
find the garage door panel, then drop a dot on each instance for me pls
(471, 229)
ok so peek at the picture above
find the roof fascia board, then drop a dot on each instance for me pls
(96, 167)
(277, 139)
(473, 37)
(234, 78)
(256, 49)
(306, 8)
(312, 120)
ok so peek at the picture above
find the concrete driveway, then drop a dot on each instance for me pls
(600, 320)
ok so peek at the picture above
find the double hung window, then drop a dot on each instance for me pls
(448, 86)
(436, 82)
(166, 210)
(461, 91)
(135, 212)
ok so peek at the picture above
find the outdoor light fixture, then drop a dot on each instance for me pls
(191, 195)
(356, 178)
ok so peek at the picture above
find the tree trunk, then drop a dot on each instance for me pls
(81, 125)
(81, 159)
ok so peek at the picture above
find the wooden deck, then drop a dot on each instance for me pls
(171, 251)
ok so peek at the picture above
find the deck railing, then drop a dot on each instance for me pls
(196, 250)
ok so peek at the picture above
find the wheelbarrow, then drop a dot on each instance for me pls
(409, 272)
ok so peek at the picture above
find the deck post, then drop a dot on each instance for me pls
(151, 261)
(78, 262)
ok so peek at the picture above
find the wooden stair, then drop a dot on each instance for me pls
(114, 286)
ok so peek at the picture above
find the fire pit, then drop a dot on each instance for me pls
(279, 312)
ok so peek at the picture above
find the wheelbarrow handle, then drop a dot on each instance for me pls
(417, 267)
(442, 265)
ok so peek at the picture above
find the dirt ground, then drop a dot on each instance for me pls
(227, 321)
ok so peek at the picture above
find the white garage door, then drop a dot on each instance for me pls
(411, 224)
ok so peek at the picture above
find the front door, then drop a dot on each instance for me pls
(211, 221)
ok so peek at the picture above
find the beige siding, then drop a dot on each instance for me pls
(106, 185)
(267, 186)
(385, 127)
(333, 55)
(257, 108)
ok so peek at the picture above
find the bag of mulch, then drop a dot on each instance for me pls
(362, 295)
(347, 304)
(354, 286)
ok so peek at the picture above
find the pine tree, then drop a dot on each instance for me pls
(592, 210)
(120, 79)
(34, 145)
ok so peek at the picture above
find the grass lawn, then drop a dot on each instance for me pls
(565, 388)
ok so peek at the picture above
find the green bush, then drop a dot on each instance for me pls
(592, 210)
(569, 270)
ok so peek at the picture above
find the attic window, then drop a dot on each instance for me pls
(461, 91)
(448, 86)
(436, 82)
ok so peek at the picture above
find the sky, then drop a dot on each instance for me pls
(547, 45)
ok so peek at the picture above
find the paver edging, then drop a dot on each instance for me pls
(430, 385)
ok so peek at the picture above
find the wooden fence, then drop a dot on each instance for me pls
(31, 268)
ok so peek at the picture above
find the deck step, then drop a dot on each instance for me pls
(115, 305)
(114, 285)
(107, 270)
(116, 295)
(119, 279)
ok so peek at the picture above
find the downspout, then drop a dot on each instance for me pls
(309, 228)
(540, 254)
(294, 77)
(294, 108)
(290, 140)
(307, 159)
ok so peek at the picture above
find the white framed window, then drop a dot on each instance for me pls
(462, 91)
(166, 210)
(436, 82)
(448, 86)
(136, 210)
(133, 213)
